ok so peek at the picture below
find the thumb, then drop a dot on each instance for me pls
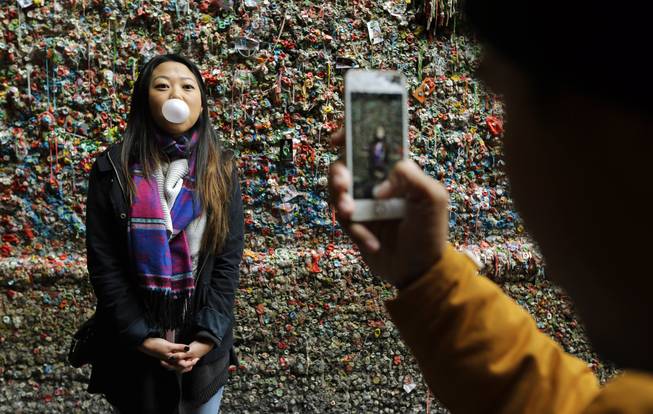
(338, 137)
(407, 180)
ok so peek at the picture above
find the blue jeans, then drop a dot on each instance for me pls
(212, 406)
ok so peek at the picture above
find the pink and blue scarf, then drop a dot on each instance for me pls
(162, 259)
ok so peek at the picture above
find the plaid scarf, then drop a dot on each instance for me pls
(161, 257)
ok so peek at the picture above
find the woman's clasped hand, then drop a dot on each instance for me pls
(175, 357)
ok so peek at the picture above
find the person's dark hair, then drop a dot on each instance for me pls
(592, 48)
(213, 168)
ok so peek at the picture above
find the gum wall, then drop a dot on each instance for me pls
(312, 333)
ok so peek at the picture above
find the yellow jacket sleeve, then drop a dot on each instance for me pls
(480, 352)
(628, 393)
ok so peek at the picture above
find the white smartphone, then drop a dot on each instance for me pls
(376, 125)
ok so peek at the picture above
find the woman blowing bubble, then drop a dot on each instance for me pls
(164, 243)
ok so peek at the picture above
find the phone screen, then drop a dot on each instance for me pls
(377, 139)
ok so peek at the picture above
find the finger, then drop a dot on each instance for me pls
(191, 365)
(408, 180)
(338, 137)
(396, 183)
(345, 208)
(339, 180)
(183, 355)
(189, 369)
(174, 348)
(339, 177)
(386, 189)
(168, 366)
(174, 356)
(176, 351)
(185, 363)
(364, 238)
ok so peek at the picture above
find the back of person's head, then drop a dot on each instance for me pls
(578, 140)
(597, 48)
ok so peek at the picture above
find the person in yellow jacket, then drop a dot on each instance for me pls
(577, 145)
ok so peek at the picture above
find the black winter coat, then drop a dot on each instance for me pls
(129, 379)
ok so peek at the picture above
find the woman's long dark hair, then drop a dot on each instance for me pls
(213, 170)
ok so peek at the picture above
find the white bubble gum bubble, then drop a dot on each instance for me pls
(175, 111)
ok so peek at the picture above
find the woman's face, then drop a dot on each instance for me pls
(174, 80)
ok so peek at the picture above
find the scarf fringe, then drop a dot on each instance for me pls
(166, 312)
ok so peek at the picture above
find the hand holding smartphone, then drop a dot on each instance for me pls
(376, 132)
